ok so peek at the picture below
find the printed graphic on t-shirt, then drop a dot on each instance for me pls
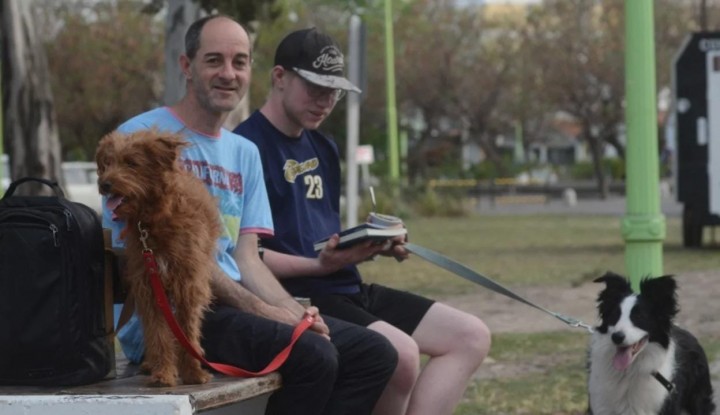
(218, 179)
(313, 186)
(232, 227)
(293, 168)
(215, 176)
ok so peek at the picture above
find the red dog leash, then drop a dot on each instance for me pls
(162, 302)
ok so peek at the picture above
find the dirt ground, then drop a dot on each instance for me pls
(697, 296)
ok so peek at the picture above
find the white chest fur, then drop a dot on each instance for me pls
(633, 391)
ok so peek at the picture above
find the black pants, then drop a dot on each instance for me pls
(344, 376)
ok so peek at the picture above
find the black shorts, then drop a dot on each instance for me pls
(401, 309)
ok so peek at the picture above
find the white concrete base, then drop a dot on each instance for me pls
(95, 404)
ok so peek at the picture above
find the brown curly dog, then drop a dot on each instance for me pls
(145, 183)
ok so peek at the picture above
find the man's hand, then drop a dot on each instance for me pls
(395, 248)
(332, 259)
(319, 325)
(289, 317)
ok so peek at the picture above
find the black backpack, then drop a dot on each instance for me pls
(53, 330)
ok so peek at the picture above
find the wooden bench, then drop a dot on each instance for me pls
(125, 390)
(128, 393)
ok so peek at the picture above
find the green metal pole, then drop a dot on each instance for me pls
(393, 165)
(643, 226)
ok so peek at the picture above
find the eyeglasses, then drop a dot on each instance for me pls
(321, 92)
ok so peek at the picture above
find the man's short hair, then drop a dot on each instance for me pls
(192, 36)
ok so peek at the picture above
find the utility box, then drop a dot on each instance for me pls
(696, 87)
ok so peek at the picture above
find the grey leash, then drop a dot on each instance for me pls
(470, 275)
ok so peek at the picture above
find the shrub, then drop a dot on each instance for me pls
(584, 170)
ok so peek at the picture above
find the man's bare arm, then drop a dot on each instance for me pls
(257, 280)
(229, 292)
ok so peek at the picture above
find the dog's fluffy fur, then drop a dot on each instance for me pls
(636, 338)
(144, 182)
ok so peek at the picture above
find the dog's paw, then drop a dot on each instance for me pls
(196, 377)
(145, 367)
(161, 379)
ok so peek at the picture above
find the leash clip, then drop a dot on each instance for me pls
(143, 237)
(587, 327)
(573, 322)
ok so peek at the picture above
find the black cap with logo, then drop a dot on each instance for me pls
(314, 56)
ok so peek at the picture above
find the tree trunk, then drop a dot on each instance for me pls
(491, 154)
(596, 153)
(180, 14)
(30, 128)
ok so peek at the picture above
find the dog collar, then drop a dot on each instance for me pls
(666, 383)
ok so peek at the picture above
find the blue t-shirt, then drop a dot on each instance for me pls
(229, 165)
(302, 177)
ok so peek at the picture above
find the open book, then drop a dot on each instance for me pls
(363, 232)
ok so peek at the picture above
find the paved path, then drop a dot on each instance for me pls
(614, 205)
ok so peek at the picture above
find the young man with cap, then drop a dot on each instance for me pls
(302, 176)
(335, 367)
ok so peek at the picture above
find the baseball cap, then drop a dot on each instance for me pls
(316, 57)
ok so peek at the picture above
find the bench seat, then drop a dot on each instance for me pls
(129, 390)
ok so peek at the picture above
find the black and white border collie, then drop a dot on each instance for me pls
(640, 362)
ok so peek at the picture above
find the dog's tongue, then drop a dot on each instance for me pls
(622, 358)
(112, 203)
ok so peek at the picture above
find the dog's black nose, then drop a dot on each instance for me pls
(105, 187)
(618, 337)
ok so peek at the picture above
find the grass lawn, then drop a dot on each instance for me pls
(531, 250)
(554, 378)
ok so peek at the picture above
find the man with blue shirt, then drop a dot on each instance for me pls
(335, 367)
(302, 177)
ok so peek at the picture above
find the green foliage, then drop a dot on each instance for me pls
(390, 200)
(449, 203)
(414, 202)
(488, 170)
(616, 168)
(105, 64)
(484, 170)
(584, 170)
(515, 58)
(245, 11)
(429, 204)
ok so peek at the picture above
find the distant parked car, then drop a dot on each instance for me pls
(81, 183)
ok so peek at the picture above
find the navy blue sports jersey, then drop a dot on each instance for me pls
(302, 176)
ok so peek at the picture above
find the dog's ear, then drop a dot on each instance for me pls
(614, 281)
(661, 292)
(616, 288)
(168, 148)
(103, 150)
